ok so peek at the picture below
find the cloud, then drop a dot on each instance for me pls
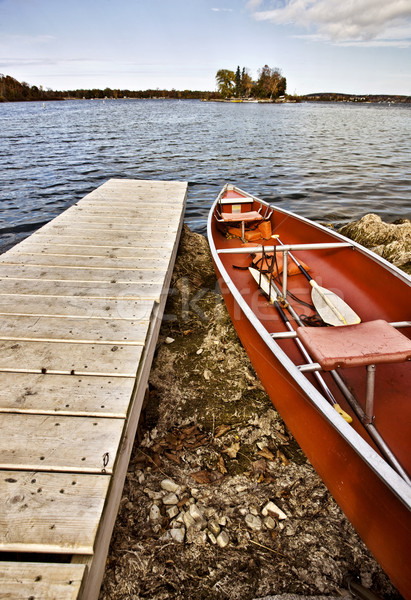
(343, 21)
(222, 9)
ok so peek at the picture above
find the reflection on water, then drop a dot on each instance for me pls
(327, 162)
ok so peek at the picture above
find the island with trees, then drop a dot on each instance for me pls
(232, 86)
(239, 85)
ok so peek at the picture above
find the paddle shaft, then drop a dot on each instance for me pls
(305, 354)
(315, 286)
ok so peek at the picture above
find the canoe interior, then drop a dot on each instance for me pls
(374, 498)
(370, 289)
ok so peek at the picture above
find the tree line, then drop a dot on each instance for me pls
(12, 90)
(239, 84)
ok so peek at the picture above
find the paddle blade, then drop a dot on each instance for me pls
(264, 283)
(331, 308)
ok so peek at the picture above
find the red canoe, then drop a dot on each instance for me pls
(342, 356)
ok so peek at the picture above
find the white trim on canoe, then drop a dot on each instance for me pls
(384, 471)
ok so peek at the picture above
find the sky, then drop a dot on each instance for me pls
(346, 46)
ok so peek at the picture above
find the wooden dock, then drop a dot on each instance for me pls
(81, 303)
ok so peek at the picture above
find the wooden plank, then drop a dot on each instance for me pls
(65, 394)
(50, 512)
(57, 273)
(70, 330)
(40, 581)
(69, 359)
(80, 308)
(59, 443)
(37, 248)
(85, 262)
(93, 581)
(83, 289)
(72, 241)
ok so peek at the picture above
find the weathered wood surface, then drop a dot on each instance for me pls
(112, 290)
(46, 394)
(50, 512)
(61, 358)
(72, 329)
(40, 581)
(77, 307)
(81, 303)
(45, 443)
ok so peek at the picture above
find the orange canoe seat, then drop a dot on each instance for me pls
(239, 217)
(365, 344)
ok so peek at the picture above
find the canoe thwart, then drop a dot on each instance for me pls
(285, 248)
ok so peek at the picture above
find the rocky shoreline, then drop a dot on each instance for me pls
(219, 501)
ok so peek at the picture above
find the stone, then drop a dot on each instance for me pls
(270, 523)
(169, 485)
(169, 340)
(178, 534)
(155, 513)
(170, 499)
(253, 522)
(271, 508)
(214, 527)
(223, 539)
(222, 521)
(188, 520)
(152, 495)
(211, 537)
(392, 241)
(173, 511)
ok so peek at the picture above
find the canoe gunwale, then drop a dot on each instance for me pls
(374, 461)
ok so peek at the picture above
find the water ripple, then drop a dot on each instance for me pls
(328, 162)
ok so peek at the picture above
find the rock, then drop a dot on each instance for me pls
(223, 539)
(178, 534)
(392, 241)
(272, 509)
(214, 527)
(270, 523)
(155, 513)
(170, 499)
(188, 520)
(172, 511)
(169, 485)
(211, 537)
(153, 495)
(169, 340)
(222, 521)
(198, 516)
(253, 522)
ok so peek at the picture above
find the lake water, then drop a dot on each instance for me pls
(329, 162)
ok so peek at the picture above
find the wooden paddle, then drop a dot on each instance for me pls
(265, 285)
(331, 308)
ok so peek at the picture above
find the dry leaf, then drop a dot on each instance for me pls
(201, 476)
(221, 465)
(173, 457)
(282, 457)
(221, 430)
(232, 450)
(259, 466)
(266, 453)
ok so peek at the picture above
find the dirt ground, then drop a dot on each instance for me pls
(219, 501)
